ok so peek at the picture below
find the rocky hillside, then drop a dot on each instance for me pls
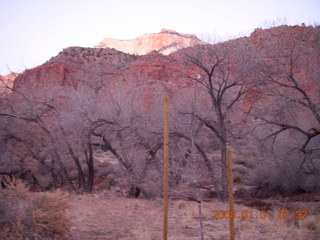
(154, 71)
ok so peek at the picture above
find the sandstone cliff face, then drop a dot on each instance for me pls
(75, 66)
(165, 42)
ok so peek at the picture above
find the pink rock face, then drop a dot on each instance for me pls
(46, 75)
(165, 42)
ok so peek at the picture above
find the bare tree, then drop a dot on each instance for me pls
(289, 109)
(57, 125)
(32, 113)
(71, 123)
(224, 78)
(132, 139)
(290, 89)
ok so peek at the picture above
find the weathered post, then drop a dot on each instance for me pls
(201, 223)
(230, 194)
(165, 168)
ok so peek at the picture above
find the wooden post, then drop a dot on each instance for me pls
(230, 194)
(200, 219)
(165, 167)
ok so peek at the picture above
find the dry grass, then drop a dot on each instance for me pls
(311, 223)
(97, 217)
(17, 187)
(26, 215)
(49, 217)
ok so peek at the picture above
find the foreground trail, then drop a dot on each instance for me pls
(96, 217)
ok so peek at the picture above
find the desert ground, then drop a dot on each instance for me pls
(104, 217)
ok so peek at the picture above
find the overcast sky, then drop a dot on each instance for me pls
(32, 31)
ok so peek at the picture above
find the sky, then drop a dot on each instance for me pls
(33, 31)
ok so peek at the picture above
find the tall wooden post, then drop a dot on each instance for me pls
(201, 223)
(165, 167)
(230, 194)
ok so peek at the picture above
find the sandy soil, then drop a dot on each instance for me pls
(99, 217)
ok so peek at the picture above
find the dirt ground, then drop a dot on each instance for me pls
(101, 217)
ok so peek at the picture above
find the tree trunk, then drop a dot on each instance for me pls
(56, 156)
(75, 158)
(81, 177)
(89, 156)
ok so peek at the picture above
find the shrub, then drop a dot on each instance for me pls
(311, 223)
(26, 215)
(285, 177)
(240, 173)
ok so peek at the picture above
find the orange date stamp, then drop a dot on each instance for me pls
(300, 214)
